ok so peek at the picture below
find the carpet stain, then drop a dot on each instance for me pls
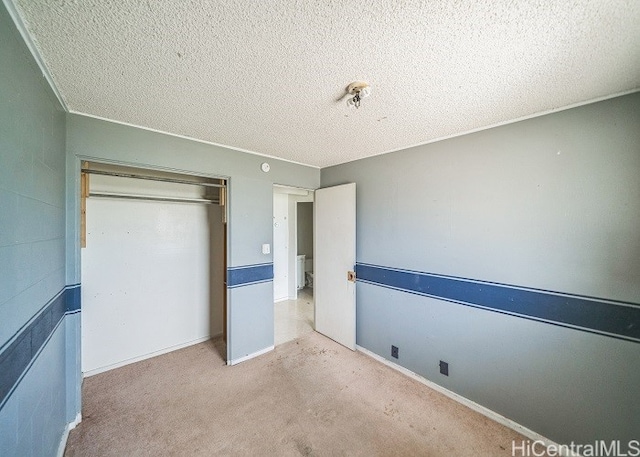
(304, 449)
(391, 410)
(317, 351)
(327, 416)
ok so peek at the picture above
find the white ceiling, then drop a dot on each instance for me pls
(269, 76)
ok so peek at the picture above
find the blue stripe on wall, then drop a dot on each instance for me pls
(72, 298)
(612, 318)
(17, 355)
(249, 274)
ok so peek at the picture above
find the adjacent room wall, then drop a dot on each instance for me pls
(37, 328)
(305, 229)
(551, 203)
(250, 273)
(294, 200)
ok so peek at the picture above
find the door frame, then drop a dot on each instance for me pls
(306, 195)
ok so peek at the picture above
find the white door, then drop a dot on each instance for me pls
(280, 247)
(334, 257)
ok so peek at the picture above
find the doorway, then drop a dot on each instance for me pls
(292, 263)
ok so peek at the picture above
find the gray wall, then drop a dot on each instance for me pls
(33, 339)
(250, 205)
(550, 203)
(305, 229)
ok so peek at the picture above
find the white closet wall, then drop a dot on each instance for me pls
(145, 275)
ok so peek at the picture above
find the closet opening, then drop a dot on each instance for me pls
(153, 263)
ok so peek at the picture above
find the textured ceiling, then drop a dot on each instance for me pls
(269, 76)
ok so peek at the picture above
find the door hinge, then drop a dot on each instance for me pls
(351, 276)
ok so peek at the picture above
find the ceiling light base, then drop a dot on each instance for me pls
(360, 87)
(359, 90)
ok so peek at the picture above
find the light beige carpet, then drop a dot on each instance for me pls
(308, 397)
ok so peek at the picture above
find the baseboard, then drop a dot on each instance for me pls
(463, 400)
(95, 371)
(65, 435)
(250, 356)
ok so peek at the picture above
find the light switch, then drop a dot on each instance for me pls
(266, 248)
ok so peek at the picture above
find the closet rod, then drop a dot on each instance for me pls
(150, 178)
(149, 197)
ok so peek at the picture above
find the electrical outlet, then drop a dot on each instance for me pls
(394, 352)
(444, 368)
